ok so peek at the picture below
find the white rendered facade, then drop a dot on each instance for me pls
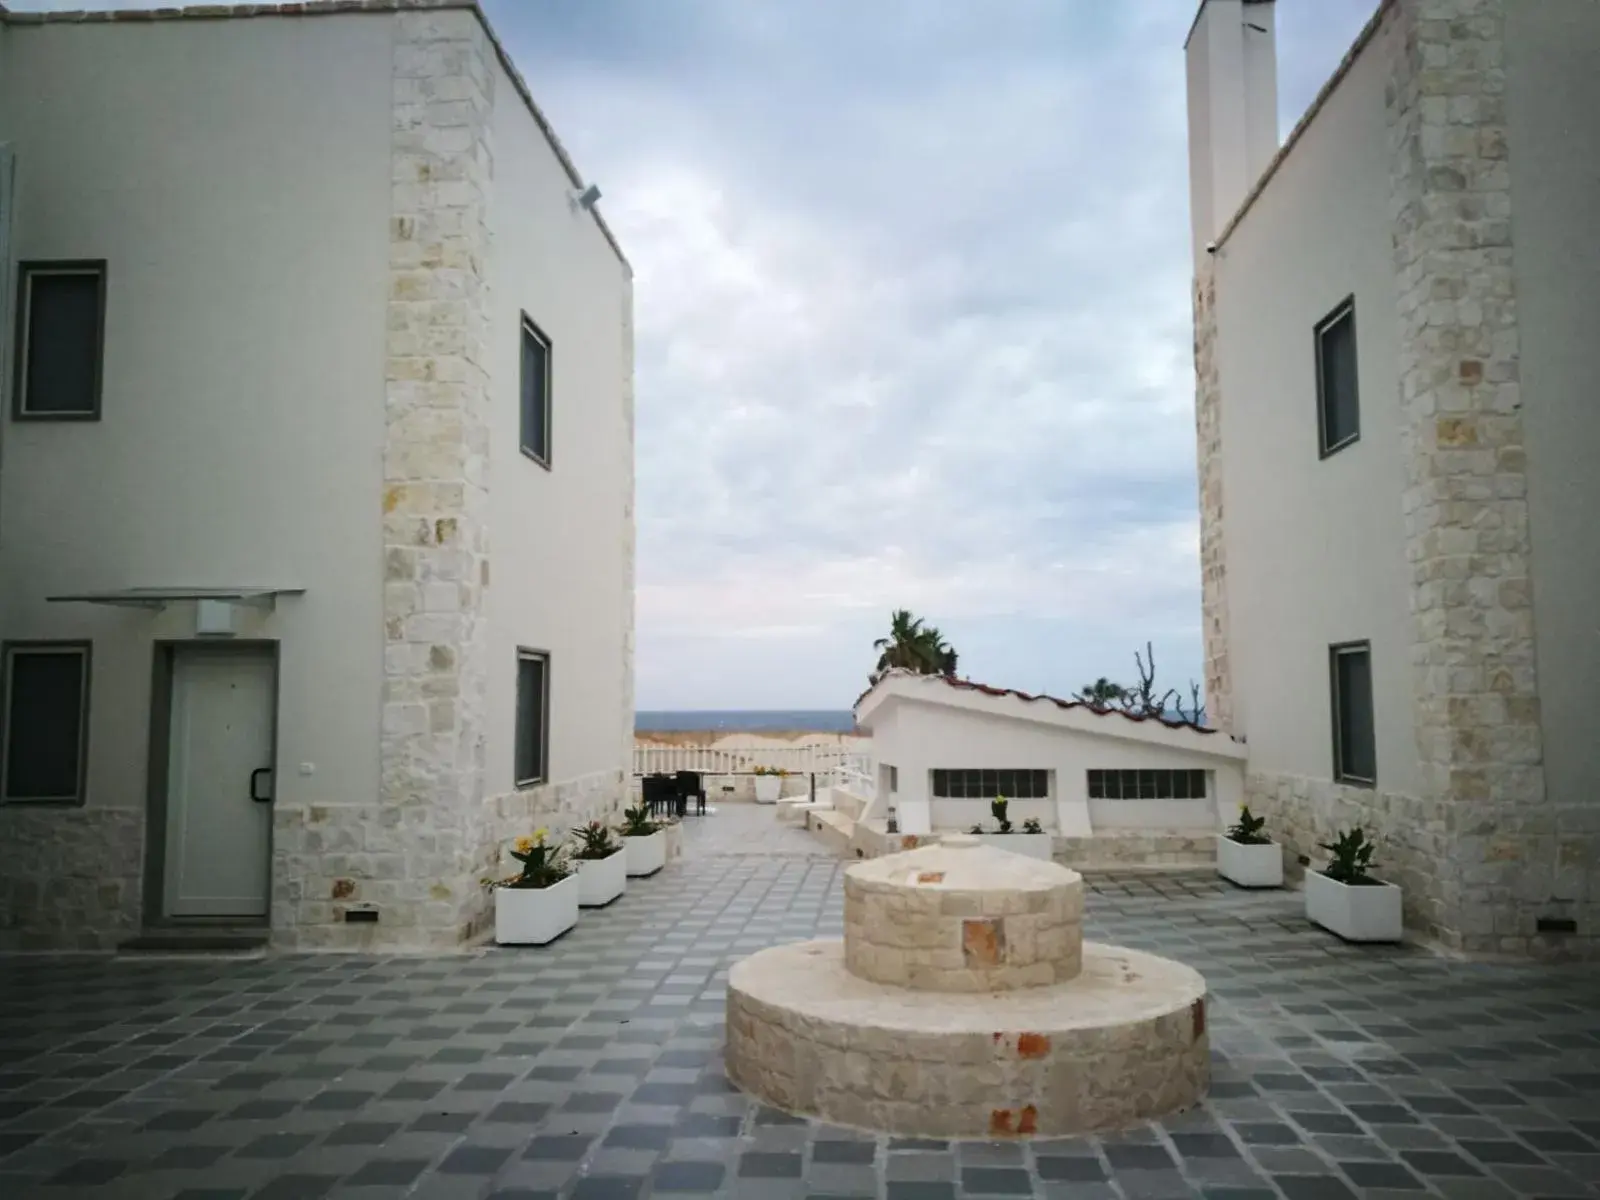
(319, 238)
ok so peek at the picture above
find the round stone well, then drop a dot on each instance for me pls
(964, 1002)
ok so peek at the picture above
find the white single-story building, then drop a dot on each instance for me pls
(946, 748)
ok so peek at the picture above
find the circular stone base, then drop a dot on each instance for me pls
(1123, 1042)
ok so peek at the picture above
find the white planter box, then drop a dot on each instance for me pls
(645, 855)
(1030, 845)
(768, 788)
(1357, 914)
(534, 916)
(1249, 866)
(602, 880)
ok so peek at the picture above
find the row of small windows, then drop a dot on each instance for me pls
(986, 785)
(61, 320)
(1135, 784)
(1143, 784)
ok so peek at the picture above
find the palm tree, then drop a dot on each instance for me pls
(938, 657)
(913, 646)
(1102, 693)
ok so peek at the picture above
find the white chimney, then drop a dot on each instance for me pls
(1233, 109)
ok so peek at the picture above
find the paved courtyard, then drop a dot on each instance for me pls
(591, 1069)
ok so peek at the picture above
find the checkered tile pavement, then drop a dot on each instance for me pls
(591, 1069)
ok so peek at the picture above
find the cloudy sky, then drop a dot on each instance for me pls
(913, 324)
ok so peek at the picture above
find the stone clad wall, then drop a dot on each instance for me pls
(1412, 835)
(414, 852)
(71, 877)
(1480, 852)
(1213, 562)
(1477, 697)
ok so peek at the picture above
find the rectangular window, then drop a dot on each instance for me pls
(61, 308)
(1338, 397)
(894, 779)
(533, 717)
(535, 393)
(46, 729)
(1157, 784)
(986, 785)
(1355, 755)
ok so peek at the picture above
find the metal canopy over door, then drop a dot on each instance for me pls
(219, 782)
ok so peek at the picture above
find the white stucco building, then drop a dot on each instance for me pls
(1396, 367)
(316, 526)
(1111, 787)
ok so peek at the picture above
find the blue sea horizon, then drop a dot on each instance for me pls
(816, 720)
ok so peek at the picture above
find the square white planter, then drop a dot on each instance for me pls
(534, 916)
(645, 855)
(602, 880)
(768, 788)
(1357, 914)
(1030, 845)
(1249, 866)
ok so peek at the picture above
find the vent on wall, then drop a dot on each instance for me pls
(1556, 925)
(358, 915)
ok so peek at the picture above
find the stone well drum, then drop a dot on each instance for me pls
(963, 1002)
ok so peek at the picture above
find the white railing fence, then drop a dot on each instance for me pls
(830, 764)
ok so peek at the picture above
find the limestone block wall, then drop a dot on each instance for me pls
(938, 939)
(1413, 834)
(1480, 851)
(80, 888)
(1477, 701)
(559, 807)
(414, 851)
(1213, 562)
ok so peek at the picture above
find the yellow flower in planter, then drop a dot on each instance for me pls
(524, 844)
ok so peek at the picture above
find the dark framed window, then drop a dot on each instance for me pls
(44, 742)
(61, 318)
(986, 785)
(1141, 784)
(1355, 751)
(1338, 396)
(535, 419)
(894, 778)
(533, 717)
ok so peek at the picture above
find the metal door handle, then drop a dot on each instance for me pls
(255, 791)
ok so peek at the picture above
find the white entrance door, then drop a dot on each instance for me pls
(220, 782)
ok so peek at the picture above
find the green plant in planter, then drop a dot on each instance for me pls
(778, 771)
(1247, 829)
(1352, 859)
(997, 809)
(595, 842)
(542, 864)
(1031, 825)
(636, 822)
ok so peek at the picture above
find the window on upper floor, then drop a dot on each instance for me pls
(44, 746)
(1355, 755)
(1338, 396)
(535, 417)
(986, 785)
(533, 718)
(1145, 784)
(61, 308)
